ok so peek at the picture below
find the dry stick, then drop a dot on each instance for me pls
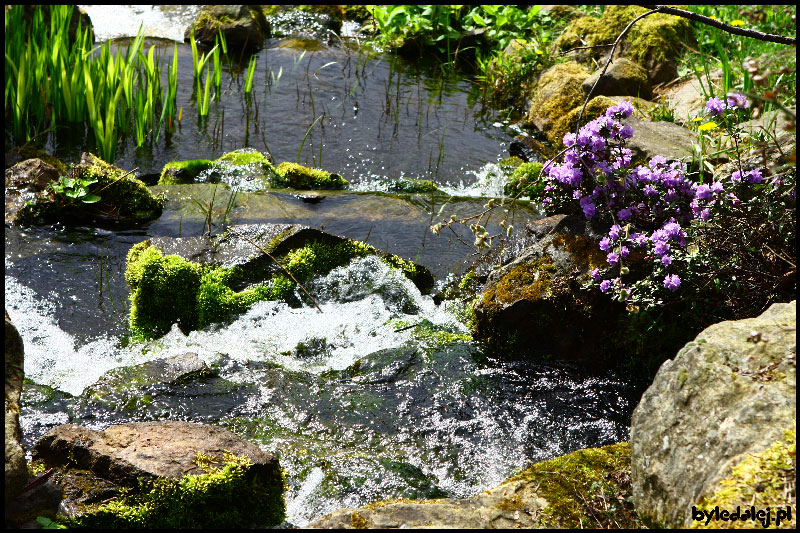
(780, 39)
(245, 237)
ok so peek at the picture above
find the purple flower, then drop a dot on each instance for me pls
(623, 252)
(716, 187)
(661, 248)
(736, 176)
(703, 192)
(737, 100)
(596, 274)
(672, 282)
(733, 199)
(612, 258)
(624, 214)
(666, 260)
(715, 106)
(754, 176)
(588, 207)
(605, 285)
(614, 232)
(605, 244)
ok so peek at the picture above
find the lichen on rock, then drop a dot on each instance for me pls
(294, 176)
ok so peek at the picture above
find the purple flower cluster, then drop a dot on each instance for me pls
(733, 100)
(595, 171)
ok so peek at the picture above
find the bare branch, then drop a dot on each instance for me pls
(721, 25)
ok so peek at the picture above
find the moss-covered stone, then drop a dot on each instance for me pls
(410, 185)
(120, 194)
(245, 157)
(167, 289)
(525, 181)
(30, 151)
(294, 176)
(221, 496)
(763, 480)
(558, 91)
(653, 41)
(567, 123)
(576, 487)
(179, 172)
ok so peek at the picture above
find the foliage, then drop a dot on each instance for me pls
(54, 83)
(75, 188)
(661, 218)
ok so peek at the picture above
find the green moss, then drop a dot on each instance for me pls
(524, 181)
(121, 196)
(272, 9)
(223, 496)
(179, 172)
(655, 38)
(558, 92)
(358, 13)
(437, 335)
(530, 281)
(762, 479)
(332, 10)
(596, 107)
(169, 289)
(509, 164)
(412, 186)
(163, 291)
(468, 281)
(245, 157)
(292, 175)
(583, 250)
(682, 376)
(572, 484)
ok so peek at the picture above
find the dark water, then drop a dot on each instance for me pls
(368, 412)
(377, 117)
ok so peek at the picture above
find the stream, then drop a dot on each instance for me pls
(359, 406)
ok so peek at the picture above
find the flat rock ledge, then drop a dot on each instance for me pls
(94, 466)
(717, 427)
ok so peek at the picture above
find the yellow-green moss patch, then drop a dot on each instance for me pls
(529, 281)
(764, 480)
(596, 107)
(294, 176)
(223, 496)
(558, 91)
(576, 485)
(179, 172)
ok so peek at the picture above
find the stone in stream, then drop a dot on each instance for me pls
(243, 26)
(559, 493)
(16, 471)
(196, 281)
(164, 474)
(717, 427)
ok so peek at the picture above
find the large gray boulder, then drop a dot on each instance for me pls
(728, 397)
(151, 461)
(16, 470)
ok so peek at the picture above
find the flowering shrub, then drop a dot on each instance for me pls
(651, 207)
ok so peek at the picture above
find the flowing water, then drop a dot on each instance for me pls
(359, 405)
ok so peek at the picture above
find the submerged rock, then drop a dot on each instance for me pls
(176, 474)
(16, 471)
(555, 493)
(703, 431)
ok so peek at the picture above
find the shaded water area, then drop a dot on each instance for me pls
(359, 406)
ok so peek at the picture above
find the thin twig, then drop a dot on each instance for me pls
(245, 237)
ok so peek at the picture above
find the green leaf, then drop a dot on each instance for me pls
(479, 20)
(90, 199)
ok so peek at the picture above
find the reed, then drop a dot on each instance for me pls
(251, 70)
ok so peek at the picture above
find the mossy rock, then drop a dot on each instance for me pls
(525, 181)
(410, 185)
(558, 91)
(243, 26)
(566, 123)
(168, 288)
(654, 42)
(166, 474)
(294, 176)
(29, 151)
(122, 198)
(762, 480)
(585, 488)
(180, 172)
